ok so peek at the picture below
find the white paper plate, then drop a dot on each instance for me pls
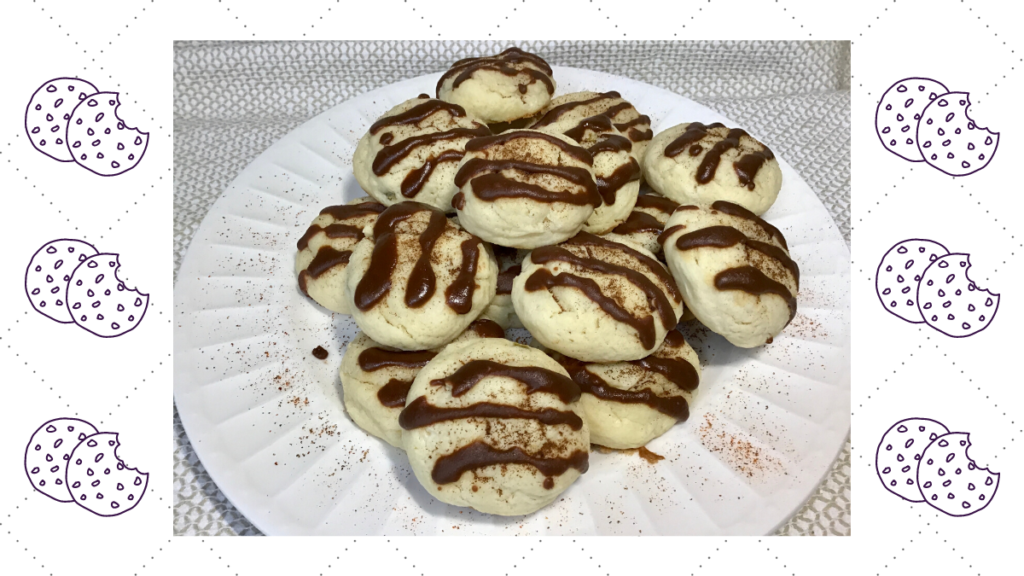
(267, 421)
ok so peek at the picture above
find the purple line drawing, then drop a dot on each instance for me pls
(100, 141)
(900, 110)
(48, 452)
(899, 273)
(70, 120)
(68, 281)
(100, 481)
(48, 273)
(920, 460)
(68, 460)
(919, 281)
(950, 481)
(950, 302)
(920, 120)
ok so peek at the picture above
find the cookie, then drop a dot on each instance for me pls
(734, 271)
(596, 300)
(695, 163)
(628, 404)
(100, 141)
(99, 481)
(47, 454)
(645, 223)
(950, 301)
(48, 274)
(375, 380)
(949, 139)
(511, 85)
(325, 248)
(100, 302)
(419, 281)
(411, 152)
(501, 310)
(899, 112)
(496, 426)
(568, 110)
(48, 113)
(525, 189)
(950, 481)
(899, 453)
(616, 169)
(899, 273)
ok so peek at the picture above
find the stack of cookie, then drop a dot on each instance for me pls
(497, 205)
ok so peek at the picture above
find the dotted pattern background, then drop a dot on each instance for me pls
(233, 100)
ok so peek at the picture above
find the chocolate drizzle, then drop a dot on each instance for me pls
(449, 468)
(746, 166)
(505, 278)
(459, 294)
(489, 184)
(535, 378)
(657, 296)
(609, 186)
(391, 155)
(422, 281)
(417, 114)
(654, 202)
(393, 394)
(695, 132)
(611, 143)
(375, 358)
(420, 413)
(485, 142)
(741, 212)
(599, 124)
(638, 222)
(552, 116)
(417, 178)
(346, 211)
(753, 281)
(726, 236)
(590, 383)
(536, 68)
(487, 328)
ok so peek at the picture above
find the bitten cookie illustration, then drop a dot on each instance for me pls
(48, 451)
(99, 481)
(950, 481)
(48, 273)
(48, 112)
(920, 281)
(899, 453)
(70, 119)
(68, 281)
(921, 120)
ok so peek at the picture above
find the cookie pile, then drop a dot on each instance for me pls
(498, 204)
(69, 460)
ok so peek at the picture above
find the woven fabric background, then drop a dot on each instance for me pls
(234, 99)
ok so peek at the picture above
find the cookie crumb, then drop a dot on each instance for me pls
(651, 457)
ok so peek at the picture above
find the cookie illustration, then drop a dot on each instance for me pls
(950, 481)
(48, 273)
(99, 301)
(48, 451)
(899, 273)
(950, 141)
(951, 302)
(100, 141)
(48, 112)
(99, 481)
(898, 113)
(900, 451)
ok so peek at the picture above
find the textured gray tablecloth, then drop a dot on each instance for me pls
(234, 99)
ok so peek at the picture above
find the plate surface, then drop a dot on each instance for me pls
(266, 417)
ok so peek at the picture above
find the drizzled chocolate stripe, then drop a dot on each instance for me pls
(753, 281)
(463, 69)
(741, 212)
(391, 155)
(376, 283)
(599, 124)
(347, 211)
(487, 328)
(535, 378)
(609, 186)
(417, 114)
(449, 468)
(552, 116)
(638, 222)
(489, 184)
(373, 359)
(652, 265)
(422, 281)
(485, 142)
(420, 413)
(506, 277)
(623, 126)
(414, 181)
(746, 166)
(640, 135)
(654, 202)
(590, 383)
(611, 143)
(394, 393)
(727, 236)
(333, 231)
(695, 132)
(325, 259)
(676, 370)
(459, 294)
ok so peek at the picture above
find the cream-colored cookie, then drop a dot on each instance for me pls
(695, 163)
(511, 85)
(525, 189)
(734, 271)
(375, 379)
(645, 223)
(628, 404)
(325, 249)
(411, 152)
(566, 111)
(496, 426)
(616, 170)
(596, 300)
(501, 309)
(419, 281)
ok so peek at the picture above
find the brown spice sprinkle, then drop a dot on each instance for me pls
(739, 453)
(320, 353)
